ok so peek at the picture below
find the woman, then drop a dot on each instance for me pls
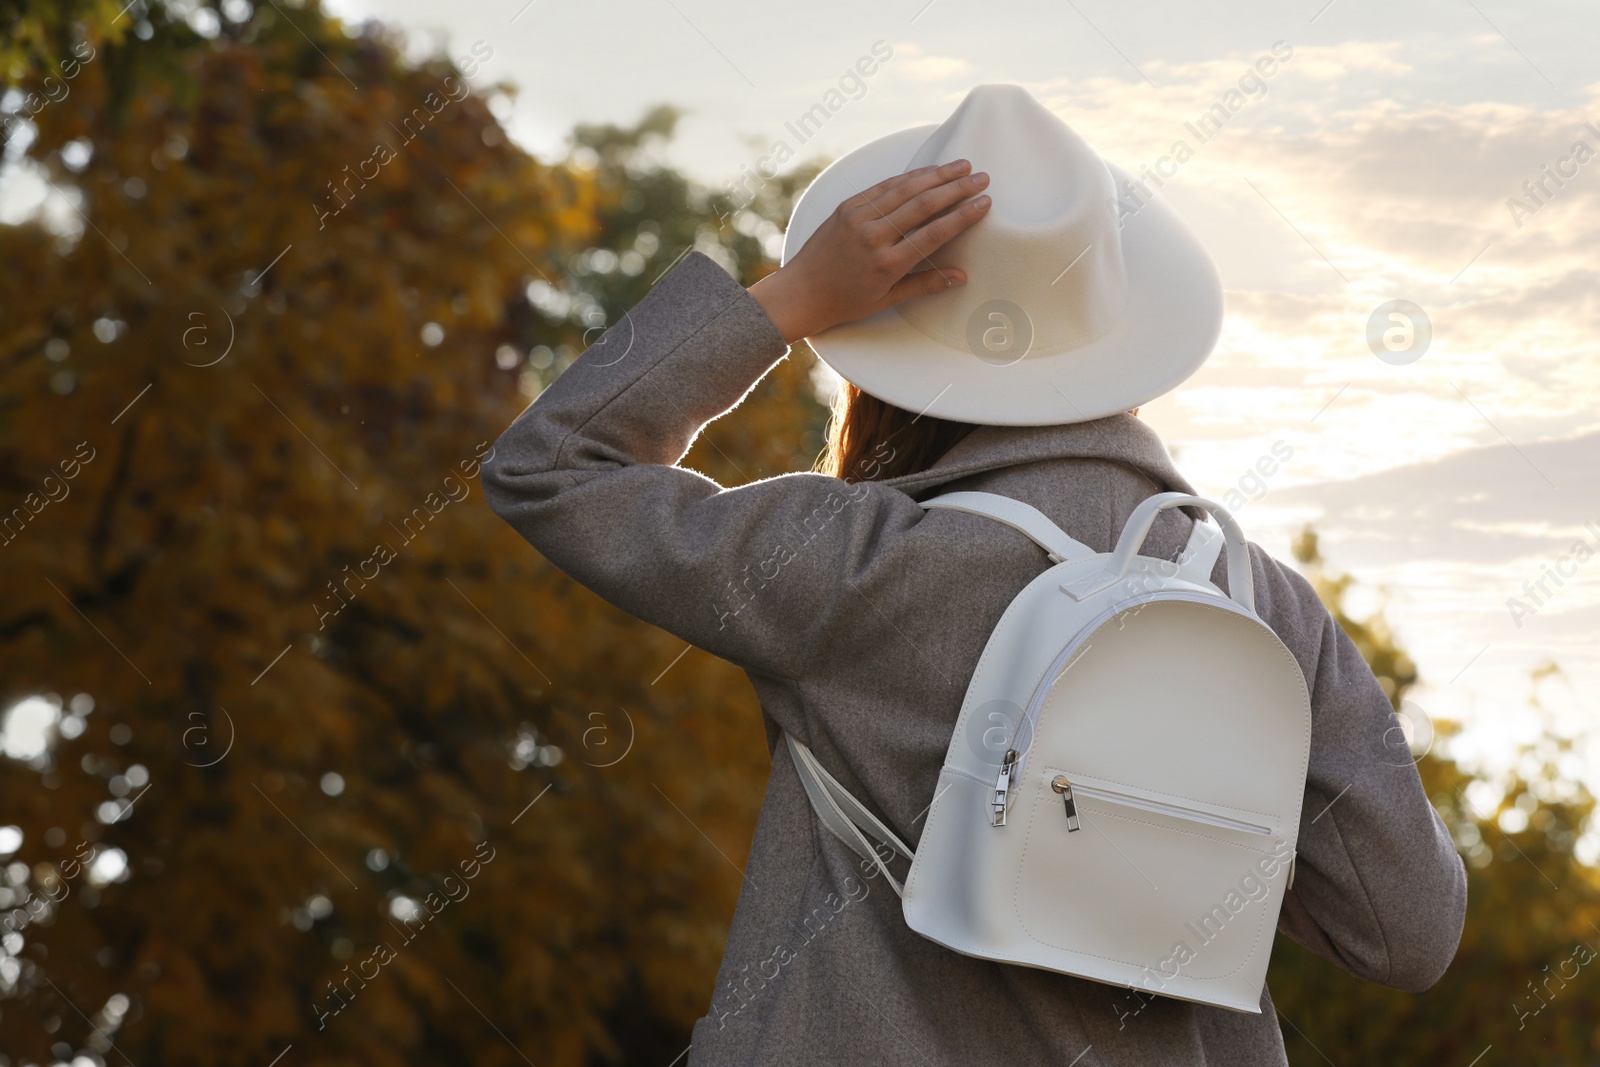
(859, 618)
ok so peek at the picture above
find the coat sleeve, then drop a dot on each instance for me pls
(587, 474)
(1379, 888)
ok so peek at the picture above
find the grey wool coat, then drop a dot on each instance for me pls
(859, 618)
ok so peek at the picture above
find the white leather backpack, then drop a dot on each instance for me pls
(1121, 796)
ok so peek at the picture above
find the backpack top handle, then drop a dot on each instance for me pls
(1241, 582)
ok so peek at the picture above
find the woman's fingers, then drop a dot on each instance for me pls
(883, 199)
(932, 201)
(924, 283)
(921, 243)
(861, 259)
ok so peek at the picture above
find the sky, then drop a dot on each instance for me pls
(1377, 164)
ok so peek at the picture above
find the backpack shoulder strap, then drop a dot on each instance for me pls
(1199, 556)
(1024, 518)
(844, 815)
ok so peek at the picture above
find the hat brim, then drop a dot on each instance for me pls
(1169, 326)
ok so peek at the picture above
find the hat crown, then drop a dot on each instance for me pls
(1044, 267)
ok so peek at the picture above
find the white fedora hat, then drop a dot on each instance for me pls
(1084, 297)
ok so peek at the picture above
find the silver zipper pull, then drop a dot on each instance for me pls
(1002, 788)
(1060, 784)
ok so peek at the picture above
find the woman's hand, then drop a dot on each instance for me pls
(860, 260)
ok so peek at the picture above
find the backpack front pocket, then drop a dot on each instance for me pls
(1088, 880)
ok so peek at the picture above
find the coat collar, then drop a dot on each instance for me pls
(1121, 438)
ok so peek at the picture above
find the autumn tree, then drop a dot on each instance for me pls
(333, 765)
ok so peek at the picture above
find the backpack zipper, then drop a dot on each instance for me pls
(1067, 789)
(1060, 784)
(1002, 788)
(1011, 769)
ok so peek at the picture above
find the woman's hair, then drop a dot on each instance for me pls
(870, 439)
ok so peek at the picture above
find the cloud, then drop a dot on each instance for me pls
(1495, 504)
(935, 68)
